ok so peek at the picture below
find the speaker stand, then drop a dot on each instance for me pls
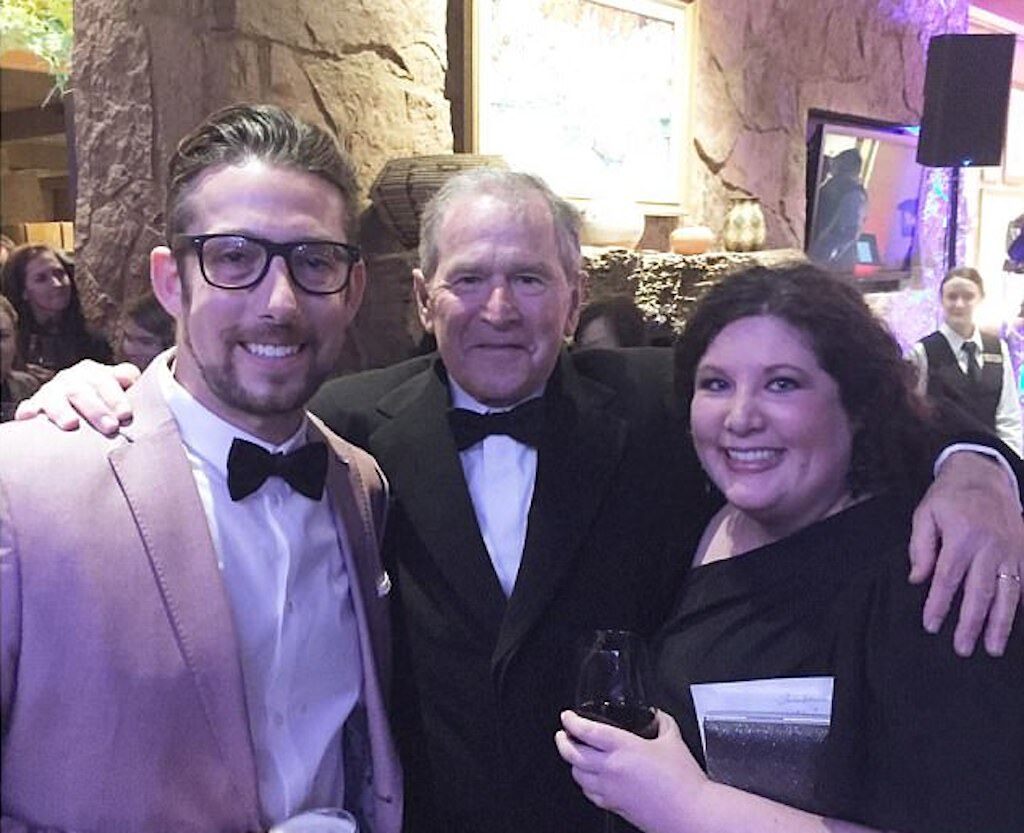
(954, 210)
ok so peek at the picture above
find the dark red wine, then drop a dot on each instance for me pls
(640, 720)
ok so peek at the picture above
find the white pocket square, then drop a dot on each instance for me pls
(383, 584)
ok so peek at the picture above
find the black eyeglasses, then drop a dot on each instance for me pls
(237, 261)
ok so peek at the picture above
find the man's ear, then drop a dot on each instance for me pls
(579, 289)
(421, 293)
(165, 280)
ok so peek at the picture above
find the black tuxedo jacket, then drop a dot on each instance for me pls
(480, 680)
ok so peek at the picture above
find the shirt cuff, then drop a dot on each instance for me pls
(323, 820)
(950, 450)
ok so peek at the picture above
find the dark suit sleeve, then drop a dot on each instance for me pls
(349, 404)
(327, 404)
(929, 741)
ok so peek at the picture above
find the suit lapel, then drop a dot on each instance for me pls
(416, 448)
(158, 485)
(354, 516)
(576, 460)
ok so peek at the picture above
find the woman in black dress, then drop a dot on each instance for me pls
(820, 452)
(52, 334)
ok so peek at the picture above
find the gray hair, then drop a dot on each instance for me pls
(512, 187)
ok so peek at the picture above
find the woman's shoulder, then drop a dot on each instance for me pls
(855, 537)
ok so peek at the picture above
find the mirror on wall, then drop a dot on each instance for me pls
(863, 185)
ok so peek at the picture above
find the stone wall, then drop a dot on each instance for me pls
(146, 71)
(375, 74)
(666, 286)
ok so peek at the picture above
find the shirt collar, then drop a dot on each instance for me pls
(956, 341)
(204, 433)
(461, 399)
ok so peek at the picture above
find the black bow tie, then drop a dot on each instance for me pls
(249, 465)
(523, 423)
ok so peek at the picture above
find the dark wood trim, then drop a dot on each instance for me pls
(32, 123)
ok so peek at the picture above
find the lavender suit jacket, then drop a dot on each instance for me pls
(122, 699)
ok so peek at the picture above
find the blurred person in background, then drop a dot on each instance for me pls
(1013, 333)
(148, 331)
(613, 322)
(841, 209)
(52, 334)
(960, 362)
(15, 385)
(6, 247)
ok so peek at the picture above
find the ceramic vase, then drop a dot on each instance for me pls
(612, 222)
(690, 240)
(744, 229)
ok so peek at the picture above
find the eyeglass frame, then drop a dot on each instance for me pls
(284, 250)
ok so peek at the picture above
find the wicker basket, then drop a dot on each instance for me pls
(405, 185)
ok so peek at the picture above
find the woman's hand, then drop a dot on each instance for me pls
(657, 786)
(653, 784)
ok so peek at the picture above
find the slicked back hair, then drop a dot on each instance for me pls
(241, 132)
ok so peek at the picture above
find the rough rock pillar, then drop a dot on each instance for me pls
(145, 71)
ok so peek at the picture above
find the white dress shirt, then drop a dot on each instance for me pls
(280, 557)
(1009, 425)
(500, 473)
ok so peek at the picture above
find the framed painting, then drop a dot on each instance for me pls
(592, 95)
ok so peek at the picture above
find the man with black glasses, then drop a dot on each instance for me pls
(194, 632)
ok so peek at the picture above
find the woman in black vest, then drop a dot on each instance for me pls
(971, 367)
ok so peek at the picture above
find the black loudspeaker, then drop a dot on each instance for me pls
(966, 95)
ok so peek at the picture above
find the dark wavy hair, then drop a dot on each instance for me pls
(240, 132)
(147, 313)
(72, 322)
(893, 428)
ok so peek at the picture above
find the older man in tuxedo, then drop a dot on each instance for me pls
(540, 494)
(194, 631)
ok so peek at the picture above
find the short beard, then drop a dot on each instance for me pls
(222, 380)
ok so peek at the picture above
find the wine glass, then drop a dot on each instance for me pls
(612, 688)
